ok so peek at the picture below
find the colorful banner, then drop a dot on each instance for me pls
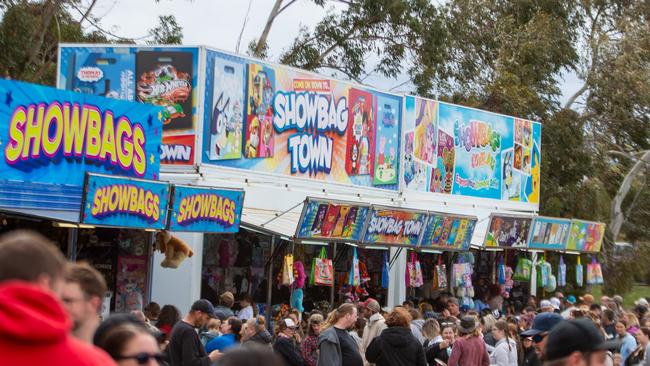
(549, 233)
(274, 119)
(586, 236)
(331, 220)
(507, 231)
(448, 232)
(205, 209)
(162, 76)
(125, 202)
(451, 149)
(50, 138)
(394, 226)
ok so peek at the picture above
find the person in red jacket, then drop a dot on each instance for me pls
(34, 327)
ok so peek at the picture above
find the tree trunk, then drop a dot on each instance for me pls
(267, 28)
(617, 217)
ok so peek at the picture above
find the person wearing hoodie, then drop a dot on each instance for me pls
(416, 325)
(375, 325)
(396, 345)
(335, 345)
(35, 327)
(505, 350)
(254, 331)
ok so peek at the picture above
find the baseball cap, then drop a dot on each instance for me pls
(642, 302)
(372, 305)
(205, 306)
(571, 299)
(289, 323)
(587, 299)
(545, 304)
(575, 335)
(555, 302)
(543, 322)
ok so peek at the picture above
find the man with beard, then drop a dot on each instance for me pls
(82, 297)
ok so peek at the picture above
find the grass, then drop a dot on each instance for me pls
(630, 297)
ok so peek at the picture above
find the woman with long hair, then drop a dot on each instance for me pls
(640, 355)
(168, 317)
(469, 348)
(230, 330)
(431, 333)
(440, 351)
(505, 351)
(396, 345)
(130, 345)
(309, 346)
(284, 344)
(336, 346)
(254, 330)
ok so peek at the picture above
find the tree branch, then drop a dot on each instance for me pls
(85, 15)
(261, 42)
(243, 26)
(617, 218)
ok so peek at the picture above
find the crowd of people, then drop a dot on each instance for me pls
(49, 314)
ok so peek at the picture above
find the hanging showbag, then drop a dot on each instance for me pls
(594, 273)
(363, 272)
(579, 273)
(561, 273)
(355, 277)
(501, 268)
(287, 270)
(551, 284)
(385, 272)
(323, 274)
(523, 269)
(418, 280)
(544, 273)
(441, 272)
(457, 274)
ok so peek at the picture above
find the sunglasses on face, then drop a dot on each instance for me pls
(539, 337)
(142, 358)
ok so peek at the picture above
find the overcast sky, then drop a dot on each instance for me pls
(218, 23)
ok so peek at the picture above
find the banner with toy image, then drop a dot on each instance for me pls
(507, 231)
(124, 202)
(586, 236)
(448, 232)
(331, 220)
(394, 226)
(279, 120)
(452, 149)
(206, 209)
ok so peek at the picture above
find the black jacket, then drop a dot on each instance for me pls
(185, 348)
(530, 357)
(262, 337)
(289, 352)
(434, 353)
(396, 346)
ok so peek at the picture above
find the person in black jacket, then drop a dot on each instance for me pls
(396, 345)
(284, 345)
(185, 347)
(530, 356)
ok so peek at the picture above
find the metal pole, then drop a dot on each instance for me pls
(269, 287)
(333, 277)
(73, 234)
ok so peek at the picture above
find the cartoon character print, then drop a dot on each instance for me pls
(448, 160)
(218, 130)
(361, 133)
(253, 138)
(436, 181)
(166, 87)
(320, 218)
(266, 145)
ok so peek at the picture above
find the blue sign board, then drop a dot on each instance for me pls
(207, 210)
(125, 202)
(50, 138)
(549, 233)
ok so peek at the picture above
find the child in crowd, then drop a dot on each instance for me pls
(212, 331)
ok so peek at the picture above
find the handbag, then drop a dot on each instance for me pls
(441, 272)
(385, 272)
(523, 270)
(323, 273)
(287, 270)
(594, 273)
(354, 279)
(561, 273)
(579, 273)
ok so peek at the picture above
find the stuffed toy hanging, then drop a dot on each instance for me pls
(297, 293)
(174, 249)
(508, 283)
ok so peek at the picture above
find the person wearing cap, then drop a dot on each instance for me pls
(587, 300)
(284, 344)
(569, 306)
(185, 347)
(542, 325)
(374, 326)
(224, 311)
(469, 348)
(556, 304)
(546, 306)
(577, 342)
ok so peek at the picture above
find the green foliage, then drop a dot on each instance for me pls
(166, 32)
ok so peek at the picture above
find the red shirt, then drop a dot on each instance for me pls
(469, 351)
